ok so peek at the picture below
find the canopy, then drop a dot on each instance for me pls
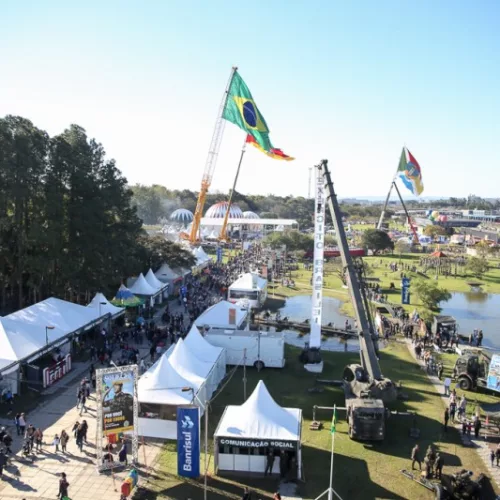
(153, 281)
(249, 281)
(438, 254)
(218, 316)
(202, 349)
(162, 384)
(260, 417)
(142, 287)
(105, 306)
(165, 273)
(125, 298)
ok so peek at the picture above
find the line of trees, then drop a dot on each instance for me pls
(68, 227)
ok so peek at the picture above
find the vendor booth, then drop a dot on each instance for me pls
(166, 275)
(249, 286)
(103, 306)
(143, 288)
(223, 315)
(125, 298)
(156, 283)
(246, 434)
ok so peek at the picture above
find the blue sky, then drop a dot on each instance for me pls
(348, 81)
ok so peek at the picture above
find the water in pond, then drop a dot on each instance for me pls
(299, 309)
(476, 310)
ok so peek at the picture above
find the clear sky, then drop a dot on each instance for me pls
(348, 81)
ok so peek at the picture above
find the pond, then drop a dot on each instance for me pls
(299, 309)
(476, 310)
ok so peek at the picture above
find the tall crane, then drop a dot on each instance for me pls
(210, 164)
(365, 387)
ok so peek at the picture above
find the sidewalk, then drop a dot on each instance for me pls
(482, 447)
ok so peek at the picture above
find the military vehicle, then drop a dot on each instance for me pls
(366, 389)
(473, 369)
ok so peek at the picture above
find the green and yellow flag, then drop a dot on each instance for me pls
(334, 420)
(241, 110)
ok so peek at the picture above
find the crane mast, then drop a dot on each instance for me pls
(210, 164)
(368, 352)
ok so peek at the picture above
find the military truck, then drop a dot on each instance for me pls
(366, 418)
(477, 368)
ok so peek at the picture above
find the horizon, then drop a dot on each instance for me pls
(344, 82)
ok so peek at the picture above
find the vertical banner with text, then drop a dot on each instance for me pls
(405, 291)
(188, 441)
(319, 247)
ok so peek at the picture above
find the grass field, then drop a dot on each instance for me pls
(361, 471)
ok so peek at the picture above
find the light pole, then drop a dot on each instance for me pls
(47, 328)
(190, 389)
(101, 304)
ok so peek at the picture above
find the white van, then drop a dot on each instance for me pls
(254, 348)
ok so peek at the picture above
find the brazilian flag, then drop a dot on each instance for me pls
(241, 110)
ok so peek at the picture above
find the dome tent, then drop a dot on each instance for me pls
(182, 215)
(219, 210)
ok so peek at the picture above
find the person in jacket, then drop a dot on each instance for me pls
(64, 441)
(38, 439)
(415, 457)
(63, 486)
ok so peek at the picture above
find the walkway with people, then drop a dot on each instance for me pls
(482, 446)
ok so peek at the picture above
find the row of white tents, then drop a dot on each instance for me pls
(188, 372)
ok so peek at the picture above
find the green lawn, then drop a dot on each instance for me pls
(361, 470)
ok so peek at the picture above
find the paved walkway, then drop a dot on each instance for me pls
(482, 446)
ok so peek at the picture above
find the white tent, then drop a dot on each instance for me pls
(160, 388)
(166, 275)
(102, 304)
(249, 286)
(142, 287)
(153, 281)
(258, 423)
(205, 351)
(220, 316)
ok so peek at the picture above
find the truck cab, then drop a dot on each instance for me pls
(471, 369)
(366, 418)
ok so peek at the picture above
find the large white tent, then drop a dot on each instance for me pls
(205, 351)
(222, 315)
(249, 286)
(142, 287)
(102, 304)
(154, 281)
(166, 275)
(257, 426)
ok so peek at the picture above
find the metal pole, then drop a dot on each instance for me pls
(330, 491)
(223, 231)
(244, 374)
(205, 492)
(406, 212)
(382, 215)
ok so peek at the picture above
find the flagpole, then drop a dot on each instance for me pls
(330, 491)
(406, 212)
(223, 231)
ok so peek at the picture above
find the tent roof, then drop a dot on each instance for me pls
(153, 280)
(202, 349)
(260, 417)
(142, 287)
(166, 273)
(438, 253)
(106, 306)
(217, 316)
(62, 315)
(245, 282)
(124, 293)
(187, 364)
(163, 384)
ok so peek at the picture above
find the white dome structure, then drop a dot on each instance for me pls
(218, 211)
(250, 215)
(182, 216)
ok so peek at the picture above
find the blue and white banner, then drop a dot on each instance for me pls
(188, 441)
(219, 255)
(405, 291)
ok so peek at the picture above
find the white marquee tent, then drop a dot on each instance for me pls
(142, 287)
(249, 286)
(205, 351)
(258, 424)
(153, 281)
(102, 304)
(166, 275)
(220, 316)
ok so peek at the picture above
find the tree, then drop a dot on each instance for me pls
(483, 249)
(430, 294)
(402, 246)
(376, 240)
(434, 230)
(477, 266)
(294, 241)
(155, 250)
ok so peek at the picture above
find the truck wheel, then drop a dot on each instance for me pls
(259, 365)
(439, 492)
(465, 383)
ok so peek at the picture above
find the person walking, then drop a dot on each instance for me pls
(83, 400)
(56, 442)
(22, 424)
(30, 437)
(492, 457)
(38, 439)
(477, 427)
(63, 486)
(75, 428)
(64, 441)
(439, 465)
(7, 441)
(122, 454)
(3, 462)
(415, 457)
(269, 462)
(445, 419)
(85, 428)
(79, 438)
(16, 423)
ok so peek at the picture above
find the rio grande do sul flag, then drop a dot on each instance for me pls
(275, 153)
(410, 173)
